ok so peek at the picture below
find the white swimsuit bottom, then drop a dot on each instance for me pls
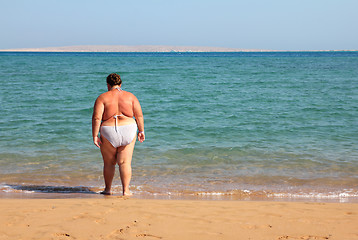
(119, 135)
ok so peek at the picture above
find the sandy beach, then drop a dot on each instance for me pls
(120, 218)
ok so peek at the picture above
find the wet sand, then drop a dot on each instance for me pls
(122, 218)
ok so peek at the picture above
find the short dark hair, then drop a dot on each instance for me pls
(114, 79)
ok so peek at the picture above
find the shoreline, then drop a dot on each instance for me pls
(323, 195)
(182, 197)
(129, 218)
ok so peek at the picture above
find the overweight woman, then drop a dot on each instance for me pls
(116, 116)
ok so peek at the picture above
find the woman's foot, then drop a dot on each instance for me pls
(127, 194)
(105, 193)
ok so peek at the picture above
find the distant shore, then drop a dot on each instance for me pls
(149, 48)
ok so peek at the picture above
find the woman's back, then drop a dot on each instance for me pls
(117, 102)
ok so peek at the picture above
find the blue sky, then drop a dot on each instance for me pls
(250, 24)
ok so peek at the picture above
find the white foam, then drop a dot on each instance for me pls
(8, 189)
(341, 196)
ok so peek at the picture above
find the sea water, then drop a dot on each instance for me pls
(223, 125)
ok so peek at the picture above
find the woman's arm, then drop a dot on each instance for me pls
(138, 115)
(98, 110)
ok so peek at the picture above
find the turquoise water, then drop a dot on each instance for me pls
(217, 124)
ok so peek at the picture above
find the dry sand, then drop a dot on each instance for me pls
(120, 218)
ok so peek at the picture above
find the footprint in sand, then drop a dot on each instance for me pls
(118, 232)
(309, 237)
(96, 219)
(60, 236)
(247, 226)
(148, 235)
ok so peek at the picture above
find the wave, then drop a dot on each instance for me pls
(144, 191)
(345, 195)
(45, 189)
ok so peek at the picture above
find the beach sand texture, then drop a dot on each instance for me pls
(120, 218)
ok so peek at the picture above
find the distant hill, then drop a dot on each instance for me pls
(124, 48)
(148, 48)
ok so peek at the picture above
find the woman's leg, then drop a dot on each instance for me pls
(109, 163)
(124, 160)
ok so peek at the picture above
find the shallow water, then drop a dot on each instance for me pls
(217, 124)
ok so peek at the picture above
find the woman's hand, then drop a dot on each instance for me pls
(141, 137)
(97, 142)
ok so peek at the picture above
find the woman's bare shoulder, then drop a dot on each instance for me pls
(129, 95)
(104, 95)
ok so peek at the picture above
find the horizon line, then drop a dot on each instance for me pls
(154, 48)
